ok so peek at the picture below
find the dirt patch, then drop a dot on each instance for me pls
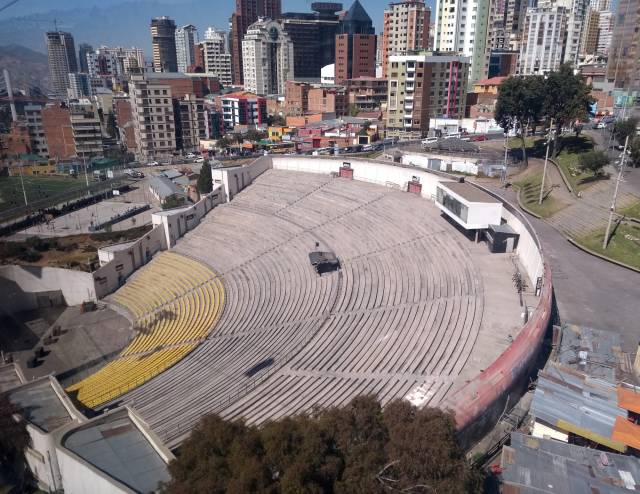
(79, 252)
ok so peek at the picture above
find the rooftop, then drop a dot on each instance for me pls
(531, 465)
(41, 404)
(494, 81)
(468, 192)
(9, 377)
(165, 187)
(114, 444)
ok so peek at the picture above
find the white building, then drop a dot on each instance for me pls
(153, 118)
(217, 59)
(186, 38)
(543, 40)
(468, 206)
(606, 24)
(328, 74)
(79, 86)
(267, 54)
(461, 26)
(577, 11)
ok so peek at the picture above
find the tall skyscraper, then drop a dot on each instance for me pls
(215, 56)
(543, 41)
(247, 12)
(163, 34)
(355, 45)
(83, 49)
(186, 38)
(606, 23)
(61, 52)
(624, 53)
(314, 37)
(589, 41)
(462, 26)
(577, 11)
(406, 29)
(268, 57)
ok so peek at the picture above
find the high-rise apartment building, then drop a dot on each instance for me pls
(423, 87)
(186, 38)
(406, 30)
(606, 23)
(590, 29)
(83, 50)
(356, 45)
(153, 117)
(61, 53)
(116, 61)
(267, 53)
(577, 11)
(624, 54)
(462, 26)
(79, 86)
(163, 40)
(543, 42)
(247, 12)
(215, 57)
(87, 132)
(314, 37)
(190, 122)
(506, 20)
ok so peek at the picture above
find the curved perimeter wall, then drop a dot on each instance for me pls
(480, 403)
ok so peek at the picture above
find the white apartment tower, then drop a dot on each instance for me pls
(267, 54)
(543, 40)
(577, 14)
(217, 59)
(186, 38)
(152, 114)
(461, 26)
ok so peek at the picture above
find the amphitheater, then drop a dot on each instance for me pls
(235, 320)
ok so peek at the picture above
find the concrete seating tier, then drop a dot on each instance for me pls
(402, 314)
(176, 302)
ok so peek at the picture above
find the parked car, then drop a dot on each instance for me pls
(601, 125)
(479, 138)
(429, 140)
(153, 163)
(199, 160)
(190, 155)
(452, 136)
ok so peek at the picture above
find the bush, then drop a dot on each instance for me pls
(593, 161)
(29, 255)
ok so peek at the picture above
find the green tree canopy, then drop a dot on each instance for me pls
(593, 161)
(520, 105)
(634, 153)
(357, 448)
(624, 128)
(205, 182)
(566, 99)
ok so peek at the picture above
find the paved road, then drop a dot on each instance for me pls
(589, 291)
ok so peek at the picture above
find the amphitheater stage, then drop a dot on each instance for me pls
(416, 310)
(87, 341)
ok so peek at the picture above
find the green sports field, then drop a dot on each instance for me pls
(36, 187)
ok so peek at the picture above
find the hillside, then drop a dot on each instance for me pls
(28, 68)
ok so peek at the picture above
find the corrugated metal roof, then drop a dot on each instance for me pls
(531, 465)
(627, 433)
(165, 187)
(577, 403)
(596, 353)
(629, 399)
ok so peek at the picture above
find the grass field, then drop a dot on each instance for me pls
(632, 211)
(530, 194)
(36, 188)
(624, 245)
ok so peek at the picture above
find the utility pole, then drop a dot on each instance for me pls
(546, 160)
(615, 195)
(503, 175)
(24, 192)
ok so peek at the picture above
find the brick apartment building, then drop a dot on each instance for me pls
(56, 124)
(367, 93)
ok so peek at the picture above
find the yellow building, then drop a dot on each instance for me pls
(488, 86)
(31, 166)
(276, 133)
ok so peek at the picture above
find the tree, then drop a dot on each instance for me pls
(593, 161)
(624, 128)
(14, 438)
(224, 143)
(205, 182)
(566, 99)
(519, 105)
(112, 128)
(357, 448)
(634, 153)
(352, 110)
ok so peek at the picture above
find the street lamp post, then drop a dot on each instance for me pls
(615, 195)
(546, 160)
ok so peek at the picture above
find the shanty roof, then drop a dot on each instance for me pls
(531, 465)
(596, 353)
(573, 402)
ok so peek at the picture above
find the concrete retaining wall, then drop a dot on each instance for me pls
(76, 286)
